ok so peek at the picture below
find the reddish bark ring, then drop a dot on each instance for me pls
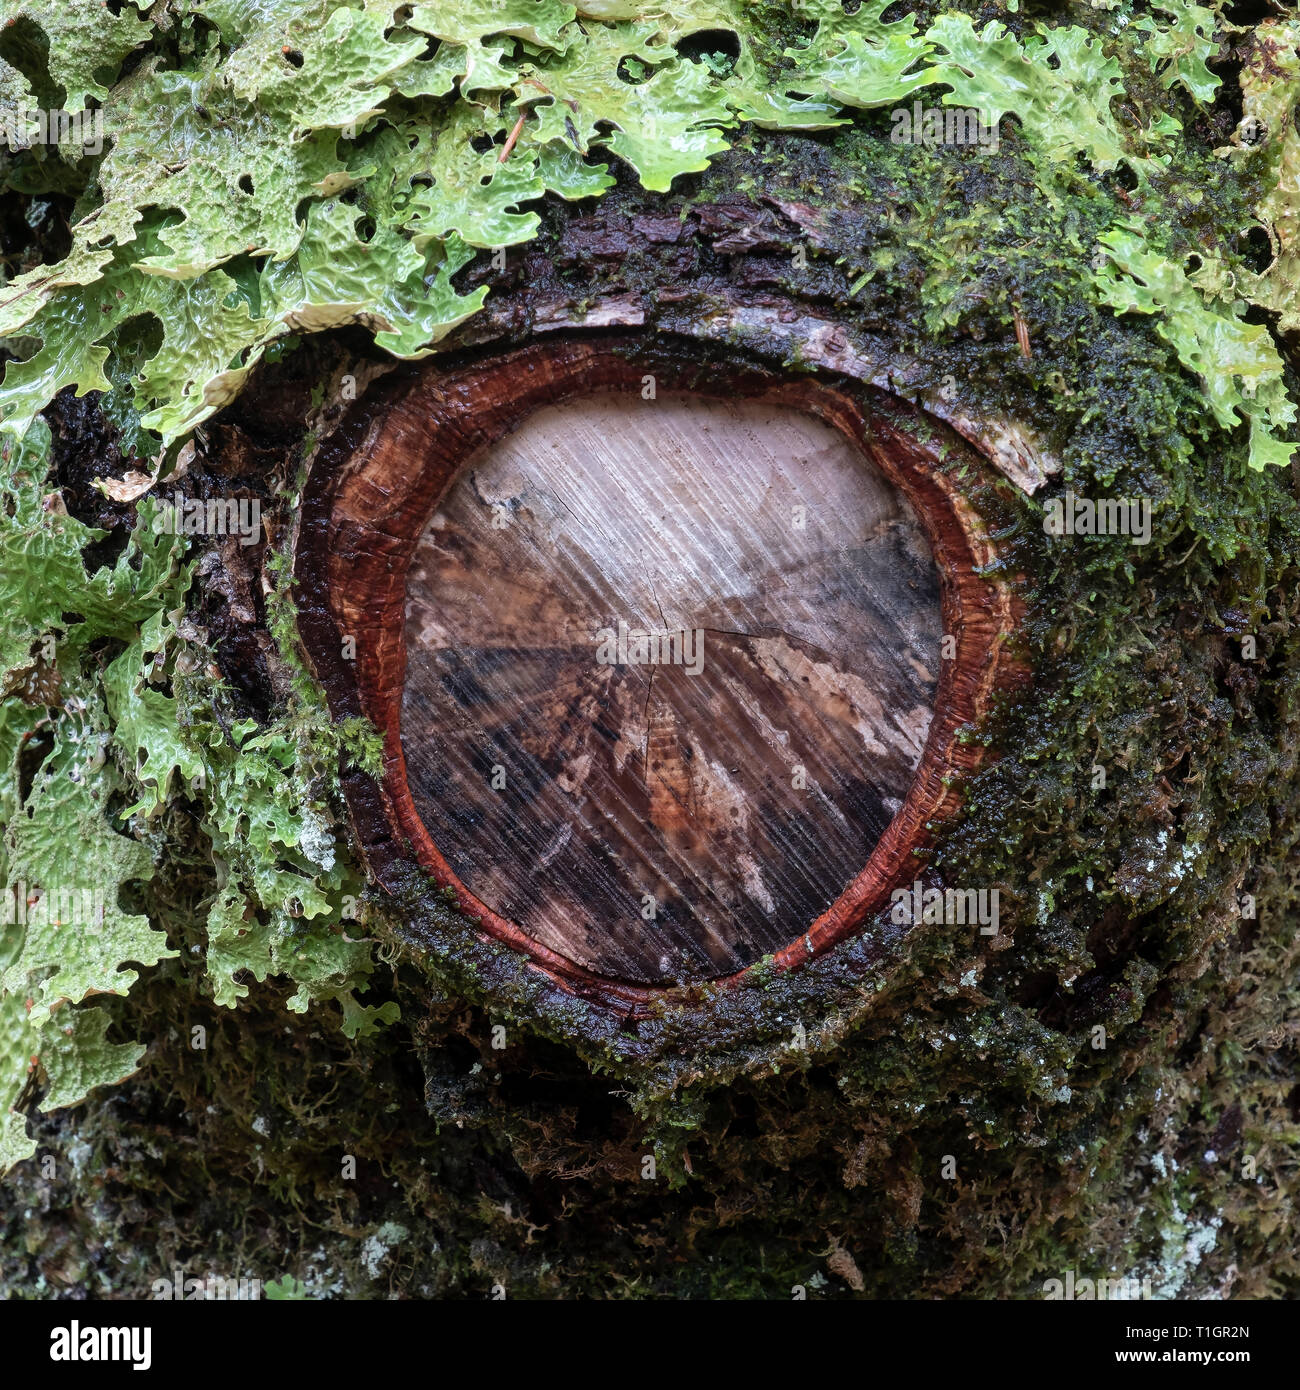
(379, 479)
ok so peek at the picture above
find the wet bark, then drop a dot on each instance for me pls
(805, 1118)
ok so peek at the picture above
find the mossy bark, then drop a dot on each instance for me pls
(1107, 1088)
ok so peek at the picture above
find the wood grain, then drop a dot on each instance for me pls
(658, 819)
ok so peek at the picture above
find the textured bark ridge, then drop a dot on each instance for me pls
(657, 649)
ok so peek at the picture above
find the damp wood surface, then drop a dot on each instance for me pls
(670, 670)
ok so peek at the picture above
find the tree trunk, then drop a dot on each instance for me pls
(800, 871)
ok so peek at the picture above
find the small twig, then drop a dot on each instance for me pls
(513, 136)
(1022, 335)
(221, 719)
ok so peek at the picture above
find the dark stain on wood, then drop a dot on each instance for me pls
(670, 672)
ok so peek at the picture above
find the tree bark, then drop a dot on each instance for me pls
(833, 1096)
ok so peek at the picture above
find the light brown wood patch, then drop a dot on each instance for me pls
(671, 665)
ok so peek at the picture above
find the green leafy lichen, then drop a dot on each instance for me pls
(92, 748)
(1267, 143)
(86, 41)
(1237, 362)
(1180, 48)
(860, 59)
(255, 185)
